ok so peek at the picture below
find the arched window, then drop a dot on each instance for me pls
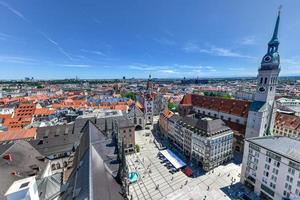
(140, 121)
(57, 165)
(266, 79)
(261, 80)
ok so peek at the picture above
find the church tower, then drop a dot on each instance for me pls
(148, 102)
(262, 111)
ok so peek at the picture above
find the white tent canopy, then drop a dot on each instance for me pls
(173, 159)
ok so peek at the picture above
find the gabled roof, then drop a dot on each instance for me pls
(167, 113)
(25, 159)
(17, 134)
(288, 121)
(95, 168)
(230, 106)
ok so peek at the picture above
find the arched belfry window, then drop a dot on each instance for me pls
(261, 80)
(266, 79)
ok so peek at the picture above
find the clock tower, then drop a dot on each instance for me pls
(262, 111)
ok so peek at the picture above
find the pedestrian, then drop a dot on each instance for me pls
(186, 182)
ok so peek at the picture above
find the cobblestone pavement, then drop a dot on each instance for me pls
(156, 182)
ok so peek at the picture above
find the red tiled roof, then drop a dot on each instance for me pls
(230, 106)
(18, 134)
(44, 111)
(288, 121)
(167, 113)
(139, 105)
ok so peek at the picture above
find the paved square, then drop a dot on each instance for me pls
(156, 182)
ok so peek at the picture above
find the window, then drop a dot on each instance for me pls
(273, 178)
(266, 79)
(272, 185)
(291, 171)
(261, 80)
(289, 179)
(24, 185)
(275, 171)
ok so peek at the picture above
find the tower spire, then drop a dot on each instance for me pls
(275, 33)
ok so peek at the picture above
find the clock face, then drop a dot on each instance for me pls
(262, 89)
(267, 58)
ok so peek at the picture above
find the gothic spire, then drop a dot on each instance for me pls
(274, 42)
(272, 59)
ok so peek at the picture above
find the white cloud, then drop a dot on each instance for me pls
(4, 36)
(192, 47)
(168, 71)
(17, 59)
(236, 68)
(45, 36)
(14, 11)
(100, 53)
(250, 40)
(76, 65)
(165, 41)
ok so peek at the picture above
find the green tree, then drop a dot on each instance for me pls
(137, 148)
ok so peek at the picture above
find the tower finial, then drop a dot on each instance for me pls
(279, 9)
(275, 33)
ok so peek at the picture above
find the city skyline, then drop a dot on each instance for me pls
(168, 40)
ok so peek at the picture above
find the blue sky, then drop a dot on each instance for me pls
(55, 39)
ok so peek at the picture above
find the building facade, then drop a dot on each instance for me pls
(206, 141)
(262, 111)
(271, 167)
(136, 116)
(287, 125)
(292, 105)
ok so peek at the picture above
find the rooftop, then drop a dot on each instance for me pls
(285, 146)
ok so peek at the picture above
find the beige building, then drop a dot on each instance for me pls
(287, 125)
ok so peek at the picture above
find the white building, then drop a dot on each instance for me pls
(24, 189)
(271, 167)
(262, 111)
(289, 104)
(136, 116)
(206, 141)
